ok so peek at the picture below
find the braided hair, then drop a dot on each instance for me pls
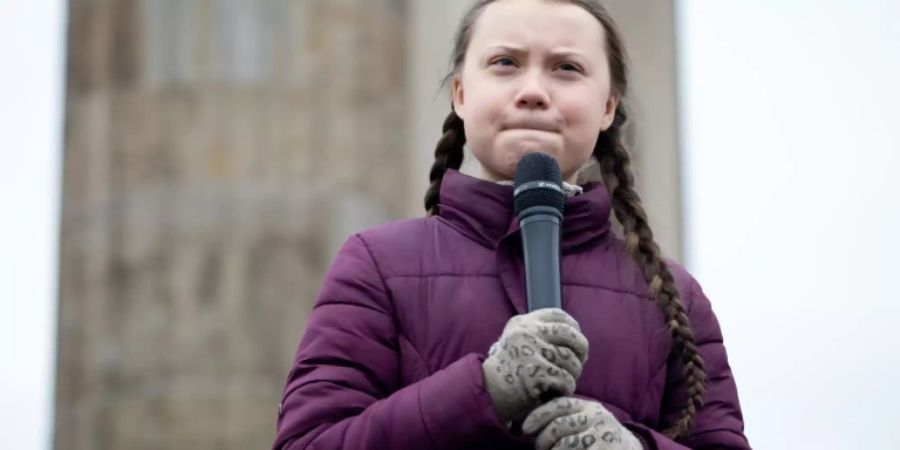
(448, 154)
(611, 154)
(615, 166)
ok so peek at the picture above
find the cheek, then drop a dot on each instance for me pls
(583, 108)
(484, 109)
(484, 105)
(583, 120)
(580, 147)
(583, 137)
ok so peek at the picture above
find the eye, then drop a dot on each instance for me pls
(503, 61)
(569, 67)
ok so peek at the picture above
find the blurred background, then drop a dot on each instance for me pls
(176, 175)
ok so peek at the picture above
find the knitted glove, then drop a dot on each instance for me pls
(574, 423)
(539, 354)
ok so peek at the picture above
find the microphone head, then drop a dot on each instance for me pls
(538, 183)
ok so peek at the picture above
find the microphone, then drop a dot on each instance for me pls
(538, 201)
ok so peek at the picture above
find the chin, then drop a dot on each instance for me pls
(502, 163)
(512, 158)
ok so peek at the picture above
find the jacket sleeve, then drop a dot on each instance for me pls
(719, 423)
(343, 390)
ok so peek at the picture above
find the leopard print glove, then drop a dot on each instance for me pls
(574, 423)
(539, 354)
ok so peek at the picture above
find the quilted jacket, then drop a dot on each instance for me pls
(391, 355)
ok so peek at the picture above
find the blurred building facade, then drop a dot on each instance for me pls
(217, 153)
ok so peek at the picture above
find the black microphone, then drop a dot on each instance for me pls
(539, 200)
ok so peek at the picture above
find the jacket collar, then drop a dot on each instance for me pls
(483, 210)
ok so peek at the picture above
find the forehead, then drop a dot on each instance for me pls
(538, 24)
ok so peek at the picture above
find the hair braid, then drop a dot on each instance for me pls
(448, 154)
(615, 165)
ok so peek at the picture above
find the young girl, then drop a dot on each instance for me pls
(420, 336)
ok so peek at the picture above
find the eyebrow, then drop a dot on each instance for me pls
(519, 50)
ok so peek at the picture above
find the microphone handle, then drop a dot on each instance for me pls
(540, 245)
(539, 227)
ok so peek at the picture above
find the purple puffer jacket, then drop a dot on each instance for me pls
(391, 356)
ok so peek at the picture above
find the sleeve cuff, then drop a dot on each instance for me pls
(652, 439)
(456, 407)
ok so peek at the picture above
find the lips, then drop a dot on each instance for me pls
(532, 124)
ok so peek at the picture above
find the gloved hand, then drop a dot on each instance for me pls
(538, 354)
(574, 423)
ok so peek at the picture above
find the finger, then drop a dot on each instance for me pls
(563, 358)
(542, 379)
(566, 336)
(565, 430)
(521, 344)
(552, 332)
(583, 441)
(554, 315)
(542, 415)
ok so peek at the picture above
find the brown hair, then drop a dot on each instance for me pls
(611, 153)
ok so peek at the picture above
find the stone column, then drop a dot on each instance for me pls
(648, 28)
(217, 152)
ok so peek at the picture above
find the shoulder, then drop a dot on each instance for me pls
(696, 304)
(399, 237)
(391, 233)
(684, 281)
(413, 246)
(369, 256)
(379, 242)
(630, 275)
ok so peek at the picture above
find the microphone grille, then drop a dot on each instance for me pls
(538, 167)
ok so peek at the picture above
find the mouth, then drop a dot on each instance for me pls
(532, 124)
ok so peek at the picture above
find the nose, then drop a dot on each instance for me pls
(532, 94)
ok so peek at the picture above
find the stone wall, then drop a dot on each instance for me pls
(217, 152)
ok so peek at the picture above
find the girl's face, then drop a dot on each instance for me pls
(535, 79)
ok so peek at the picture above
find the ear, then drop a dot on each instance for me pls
(610, 114)
(457, 97)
